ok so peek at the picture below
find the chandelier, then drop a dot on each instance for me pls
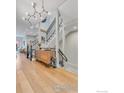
(37, 16)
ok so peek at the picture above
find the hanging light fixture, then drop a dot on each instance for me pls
(37, 16)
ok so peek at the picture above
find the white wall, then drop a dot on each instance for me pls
(71, 51)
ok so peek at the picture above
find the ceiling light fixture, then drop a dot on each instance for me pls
(37, 16)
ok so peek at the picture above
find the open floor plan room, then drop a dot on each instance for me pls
(47, 46)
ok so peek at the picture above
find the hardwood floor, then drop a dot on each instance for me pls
(35, 77)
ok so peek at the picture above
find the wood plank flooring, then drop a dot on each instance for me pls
(35, 77)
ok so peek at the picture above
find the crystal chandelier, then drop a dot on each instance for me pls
(37, 16)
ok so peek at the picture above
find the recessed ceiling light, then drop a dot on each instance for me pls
(75, 27)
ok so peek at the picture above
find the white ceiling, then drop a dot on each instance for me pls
(68, 9)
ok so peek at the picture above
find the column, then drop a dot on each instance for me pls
(63, 38)
(45, 41)
(57, 38)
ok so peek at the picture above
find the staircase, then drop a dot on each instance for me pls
(51, 42)
(51, 35)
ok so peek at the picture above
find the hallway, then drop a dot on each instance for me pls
(35, 77)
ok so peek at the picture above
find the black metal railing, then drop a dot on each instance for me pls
(63, 55)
